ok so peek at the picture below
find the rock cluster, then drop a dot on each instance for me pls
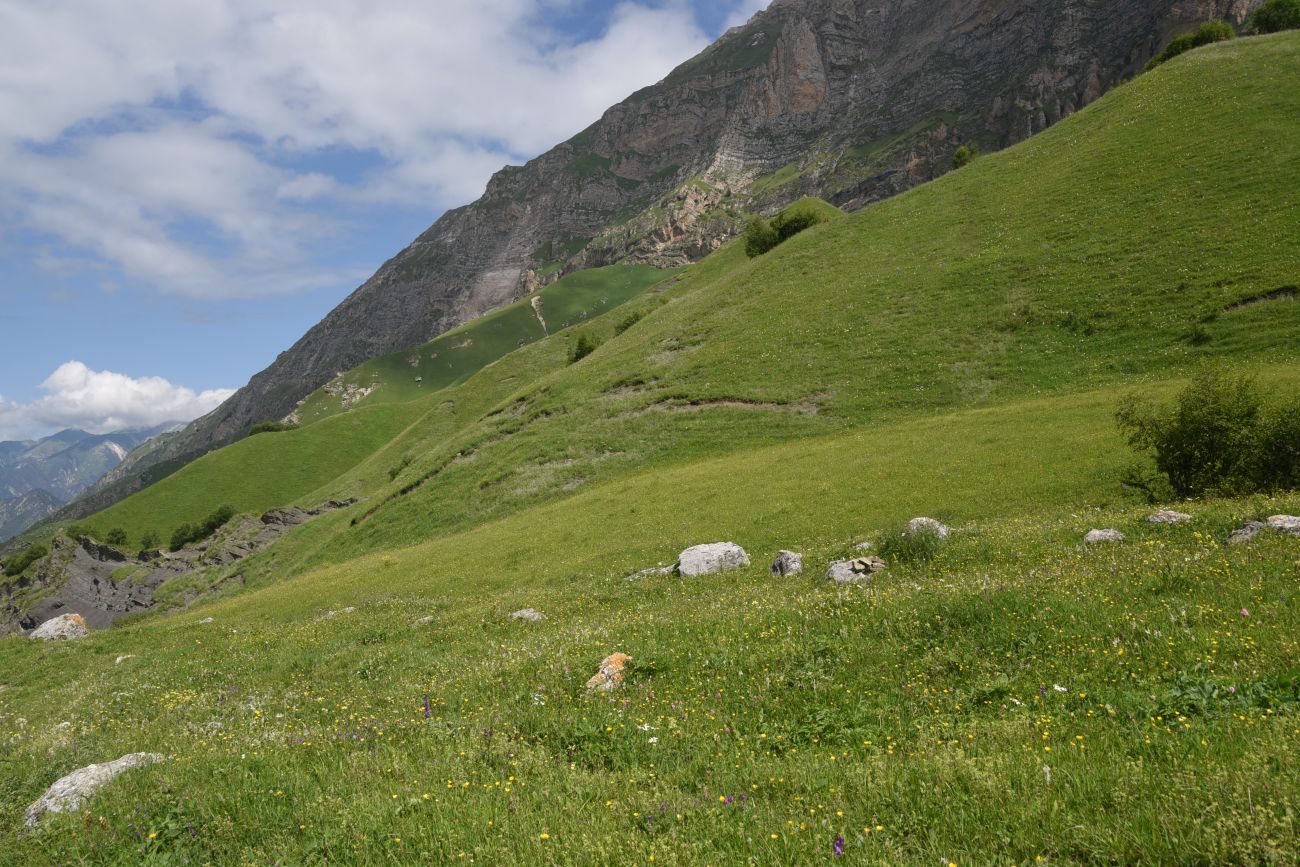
(855, 571)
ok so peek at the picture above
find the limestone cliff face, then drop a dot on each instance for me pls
(850, 100)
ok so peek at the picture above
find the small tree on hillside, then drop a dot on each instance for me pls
(116, 536)
(1277, 15)
(965, 155)
(759, 237)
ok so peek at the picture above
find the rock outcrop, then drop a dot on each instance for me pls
(708, 559)
(850, 100)
(69, 793)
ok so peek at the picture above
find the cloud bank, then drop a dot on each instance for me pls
(212, 148)
(102, 402)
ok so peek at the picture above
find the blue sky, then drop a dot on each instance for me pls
(186, 190)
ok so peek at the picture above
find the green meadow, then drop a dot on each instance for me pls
(1010, 696)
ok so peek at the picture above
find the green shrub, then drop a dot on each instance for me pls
(270, 427)
(188, 534)
(116, 536)
(1210, 31)
(149, 541)
(759, 237)
(899, 548)
(582, 348)
(1217, 438)
(965, 155)
(627, 323)
(22, 561)
(76, 531)
(1277, 15)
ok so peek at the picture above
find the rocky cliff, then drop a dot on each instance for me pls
(850, 100)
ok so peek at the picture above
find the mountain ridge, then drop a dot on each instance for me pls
(853, 102)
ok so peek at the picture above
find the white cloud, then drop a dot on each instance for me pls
(175, 143)
(102, 402)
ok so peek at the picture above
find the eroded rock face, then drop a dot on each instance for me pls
(1099, 537)
(855, 100)
(609, 676)
(65, 627)
(70, 792)
(708, 559)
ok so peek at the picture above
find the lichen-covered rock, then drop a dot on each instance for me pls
(1164, 516)
(1097, 537)
(1247, 532)
(531, 614)
(708, 559)
(609, 676)
(70, 792)
(1285, 524)
(855, 571)
(65, 627)
(787, 563)
(919, 526)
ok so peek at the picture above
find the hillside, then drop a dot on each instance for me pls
(851, 102)
(1007, 695)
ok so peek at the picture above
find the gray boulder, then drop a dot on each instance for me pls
(1096, 537)
(1285, 524)
(855, 571)
(65, 627)
(787, 563)
(708, 559)
(1164, 516)
(70, 792)
(1247, 532)
(918, 526)
(531, 614)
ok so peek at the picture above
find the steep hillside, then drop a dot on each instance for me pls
(851, 101)
(1008, 694)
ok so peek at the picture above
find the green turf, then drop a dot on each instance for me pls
(959, 351)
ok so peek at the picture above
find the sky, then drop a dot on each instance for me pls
(187, 186)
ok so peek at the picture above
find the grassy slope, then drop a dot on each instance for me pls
(1084, 258)
(458, 354)
(915, 718)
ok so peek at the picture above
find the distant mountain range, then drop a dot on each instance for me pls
(37, 477)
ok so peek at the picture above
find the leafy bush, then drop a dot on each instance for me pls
(791, 222)
(76, 531)
(1277, 15)
(270, 427)
(632, 319)
(965, 155)
(759, 237)
(1211, 31)
(20, 562)
(582, 348)
(188, 534)
(149, 541)
(116, 536)
(1217, 438)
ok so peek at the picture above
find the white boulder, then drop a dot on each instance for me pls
(70, 792)
(1096, 537)
(708, 559)
(65, 627)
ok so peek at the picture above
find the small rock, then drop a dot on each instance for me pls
(917, 526)
(65, 627)
(1285, 524)
(1248, 532)
(1164, 516)
(425, 621)
(329, 615)
(708, 559)
(63, 726)
(123, 658)
(68, 793)
(855, 571)
(528, 614)
(205, 621)
(609, 676)
(863, 546)
(1097, 536)
(787, 563)
(646, 573)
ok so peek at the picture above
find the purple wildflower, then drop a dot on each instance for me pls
(428, 708)
(838, 848)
